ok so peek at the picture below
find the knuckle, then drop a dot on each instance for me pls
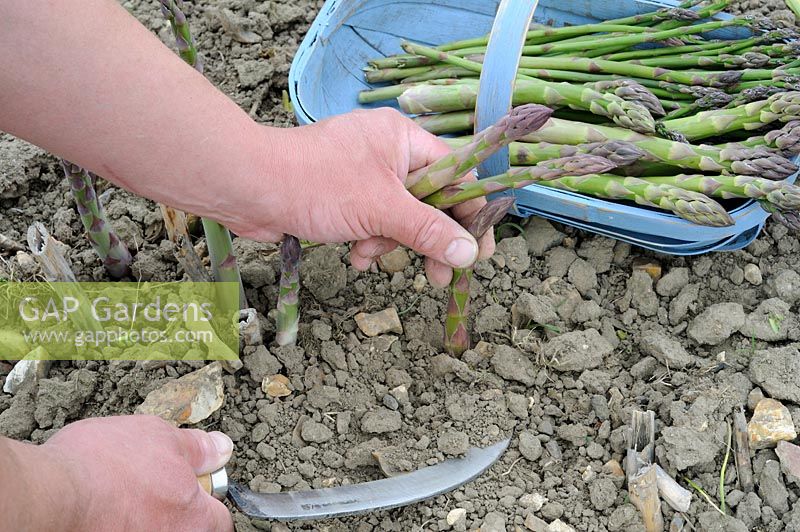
(428, 234)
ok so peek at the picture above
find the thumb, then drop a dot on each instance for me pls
(205, 451)
(430, 232)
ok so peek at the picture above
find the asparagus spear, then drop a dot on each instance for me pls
(713, 100)
(633, 39)
(710, 79)
(746, 60)
(218, 238)
(456, 325)
(784, 107)
(519, 122)
(288, 296)
(446, 123)
(781, 194)
(632, 91)
(430, 98)
(526, 154)
(790, 219)
(676, 13)
(114, 254)
(667, 50)
(692, 206)
(786, 139)
(519, 177)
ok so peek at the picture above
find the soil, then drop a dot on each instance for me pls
(571, 334)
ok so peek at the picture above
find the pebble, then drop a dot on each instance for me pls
(260, 363)
(789, 455)
(582, 276)
(771, 423)
(649, 266)
(602, 493)
(786, 285)
(535, 524)
(754, 397)
(531, 308)
(390, 402)
(456, 515)
(673, 282)
(394, 261)
(530, 446)
(277, 386)
(532, 501)
(420, 282)
(737, 275)
(559, 526)
(385, 321)
(613, 468)
(752, 274)
(717, 323)
(189, 399)
(27, 373)
(577, 350)
(381, 421)
(552, 510)
(666, 350)
(642, 296)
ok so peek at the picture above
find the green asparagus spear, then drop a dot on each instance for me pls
(526, 154)
(519, 122)
(786, 139)
(746, 60)
(519, 177)
(783, 195)
(692, 206)
(288, 296)
(632, 91)
(112, 251)
(456, 325)
(218, 238)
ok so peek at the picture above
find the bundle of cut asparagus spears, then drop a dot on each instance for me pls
(685, 119)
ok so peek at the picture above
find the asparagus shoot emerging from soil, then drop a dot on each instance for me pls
(513, 126)
(218, 238)
(288, 295)
(114, 254)
(456, 325)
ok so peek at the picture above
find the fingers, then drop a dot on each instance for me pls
(365, 252)
(428, 231)
(424, 148)
(204, 451)
(439, 275)
(218, 517)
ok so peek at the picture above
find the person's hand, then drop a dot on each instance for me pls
(140, 473)
(345, 183)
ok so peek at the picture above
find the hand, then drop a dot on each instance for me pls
(140, 473)
(344, 182)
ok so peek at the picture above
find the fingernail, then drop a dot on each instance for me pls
(222, 443)
(461, 253)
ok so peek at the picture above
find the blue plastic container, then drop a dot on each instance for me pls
(326, 77)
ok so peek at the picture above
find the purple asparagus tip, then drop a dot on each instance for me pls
(290, 250)
(526, 119)
(489, 215)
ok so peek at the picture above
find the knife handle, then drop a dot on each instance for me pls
(215, 484)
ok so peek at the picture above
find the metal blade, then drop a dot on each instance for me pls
(369, 496)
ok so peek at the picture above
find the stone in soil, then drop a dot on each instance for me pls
(789, 456)
(276, 386)
(456, 515)
(188, 399)
(260, 363)
(453, 443)
(775, 371)
(752, 274)
(640, 294)
(673, 282)
(785, 285)
(771, 423)
(27, 372)
(577, 351)
(602, 493)
(666, 350)
(513, 365)
(494, 522)
(383, 322)
(582, 276)
(314, 432)
(515, 251)
(717, 323)
(530, 446)
(394, 261)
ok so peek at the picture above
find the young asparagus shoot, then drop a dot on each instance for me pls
(288, 295)
(456, 325)
(519, 122)
(112, 251)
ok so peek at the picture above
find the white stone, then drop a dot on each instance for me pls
(455, 515)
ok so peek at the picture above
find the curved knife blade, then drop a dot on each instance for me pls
(372, 496)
